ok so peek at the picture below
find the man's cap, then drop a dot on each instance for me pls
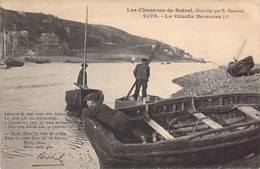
(83, 65)
(144, 60)
(92, 96)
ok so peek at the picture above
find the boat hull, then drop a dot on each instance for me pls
(14, 63)
(241, 67)
(74, 99)
(171, 153)
(42, 61)
(30, 59)
(229, 142)
(4, 66)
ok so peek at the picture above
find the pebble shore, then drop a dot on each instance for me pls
(218, 81)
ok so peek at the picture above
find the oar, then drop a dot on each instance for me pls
(156, 49)
(80, 86)
(75, 97)
(130, 91)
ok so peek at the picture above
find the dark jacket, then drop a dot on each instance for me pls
(105, 114)
(80, 77)
(142, 71)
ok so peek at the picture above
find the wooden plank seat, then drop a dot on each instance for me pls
(158, 128)
(207, 121)
(202, 117)
(250, 111)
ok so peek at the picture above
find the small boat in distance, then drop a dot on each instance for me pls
(3, 58)
(42, 61)
(133, 60)
(14, 63)
(183, 131)
(11, 62)
(30, 59)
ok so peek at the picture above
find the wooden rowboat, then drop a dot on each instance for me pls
(11, 62)
(42, 61)
(241, 67)
(14, 63)
(122, 102)
(30, 59)
(74, 99)
(182, 131)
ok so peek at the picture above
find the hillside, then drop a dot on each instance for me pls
(100, 38)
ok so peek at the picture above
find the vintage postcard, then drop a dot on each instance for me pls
(88, 84)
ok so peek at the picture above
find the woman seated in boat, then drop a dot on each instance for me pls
(114, 119)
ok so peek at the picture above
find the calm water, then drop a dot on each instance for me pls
(36, 88)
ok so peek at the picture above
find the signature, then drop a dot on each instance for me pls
(55, 157)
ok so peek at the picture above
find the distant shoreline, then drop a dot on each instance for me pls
(94, 58)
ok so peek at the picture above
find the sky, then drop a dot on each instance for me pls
(236, 34)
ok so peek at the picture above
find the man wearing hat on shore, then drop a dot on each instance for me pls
(142, 74)
(80, 76)
(116, 120)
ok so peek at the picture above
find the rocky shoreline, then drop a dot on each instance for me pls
(218, 81)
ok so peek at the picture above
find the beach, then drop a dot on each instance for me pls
(218, 81)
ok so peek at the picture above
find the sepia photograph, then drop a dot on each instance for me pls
(90, 84)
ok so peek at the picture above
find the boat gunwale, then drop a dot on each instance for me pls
(210, 96)
(195, 149)
(116, 146)
(188, 98)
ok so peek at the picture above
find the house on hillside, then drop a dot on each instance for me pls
(187, 56)
(178, 52)
(173, 52)
(16, 42)
(168, 52)
(50, 44)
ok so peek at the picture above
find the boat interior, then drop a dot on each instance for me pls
(192, 117)
(149, 98)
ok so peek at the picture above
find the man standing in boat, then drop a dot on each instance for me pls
(80, 76)
(142, 74)
(115, 119)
